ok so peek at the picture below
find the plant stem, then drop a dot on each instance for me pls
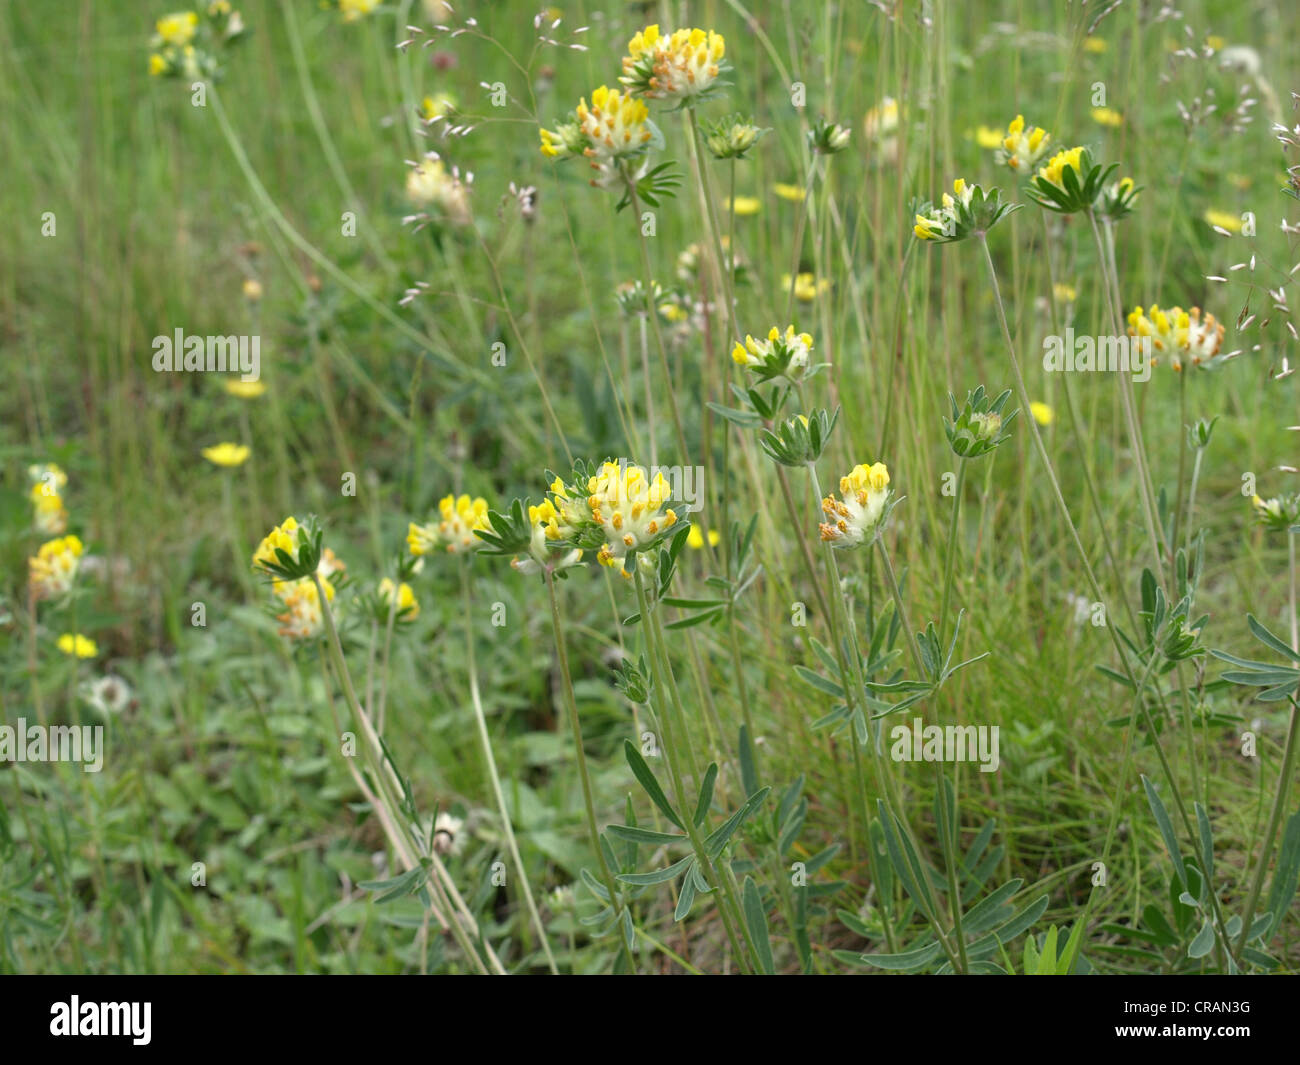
(952, 551)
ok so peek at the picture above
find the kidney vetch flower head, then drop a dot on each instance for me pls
(786, 355)
(1070, 182)
(1023, 146)
(630, 508)
(979, 425)
(460, 517)
(966, 211)
(302, 618)
(431, 186)
(861, 513)
(290, 551)
(683, 67)
(54, 567)
(189, 46)
(1279, 513)
(1179, 335)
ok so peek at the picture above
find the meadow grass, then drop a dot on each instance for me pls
(232, 829)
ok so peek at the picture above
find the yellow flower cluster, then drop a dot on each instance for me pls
(792, 350)
(1068, 158)
(227, 454)
(1023, 145)
(431, 184)
(1178, 333)
(54, 567)
(303, 618)
(941, 221)
(683, 65)
(283, 537)
(460, 516)
(629, 506)
(856, 517)
(615, 123)
(77, 645)
(408, 608)
(49, 514)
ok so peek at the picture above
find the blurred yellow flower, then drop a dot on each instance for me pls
(252, 290)
(356, 9)
(245, 389)
(54, 567)
(1042, 413)
(177, 29)
(436, 106)
(695, 538)
(1064, 293)
(806, 287)
(794, 193)
(745, 205)
(1095, 45)
(1107, 116)
(227, 454)
(988, 137)
(78, 645)
(1222, 219)
(407, 607)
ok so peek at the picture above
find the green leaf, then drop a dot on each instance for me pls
(816, 680)
(706, 794)
(656, 876)
(1204, 941)
(643, 835)
(1166, 828)
(647, 778)
(907, 962)
(756, 919)
(1286, 875)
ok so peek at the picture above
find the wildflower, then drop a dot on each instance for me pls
(431, 184)
(245, 389)
(793, 193)
(446, 837)
(178, 30)
(1179, 334)
(548, 549)
(787, 355)
(882, 120)
(683, 67)
(732, 138)
(303, 618)
(987, 137)
(859, 516)
(1064, 293)
(252, 290)
(1070, 181)
(77, 645)
(1096, 45)
(806, 287)
(629, 508)
(407, 607)
(966, 211)
(47, 477)
(227, 454)
(826, 138)
(798, 441)
(355, 10)
(290, 551)
(461, 515)
(566, 140)
(1222, 220)
(978, 427)
(434, 107)
(1023, 146)
(1279, 513)
(1043, 414)
(745, 205)
(1117, 199)
(54, 568)
(1107, 116)
(108, 695)
(695, 538)
(616, 126)
(51, 517)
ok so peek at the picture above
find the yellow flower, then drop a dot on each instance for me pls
(431, 184)
(460, 517)
(47, 479)
(1023, 146)
(1216, 42)
(78, 645)
(436, 106)
(615, 123)
(988, 137)
(794, 193)
(787, 354)
(54, 567)
(1096, 45)
(283, 537)
(51, 516)
(1069, 158)
(857, 518)
(745, 205)
(245, 389)
(681, 66)
(1042, 413)
(353, 10)
(1222, 220)
(1064, 293)
(629, 506)
(881, 120)
(157, 65)
(695, 538)
(227, 454)
(806, 288)
(303, 617)
(252, 290)
(1178, 334)
(407, 607)
(178, 29)
(1107, 116)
